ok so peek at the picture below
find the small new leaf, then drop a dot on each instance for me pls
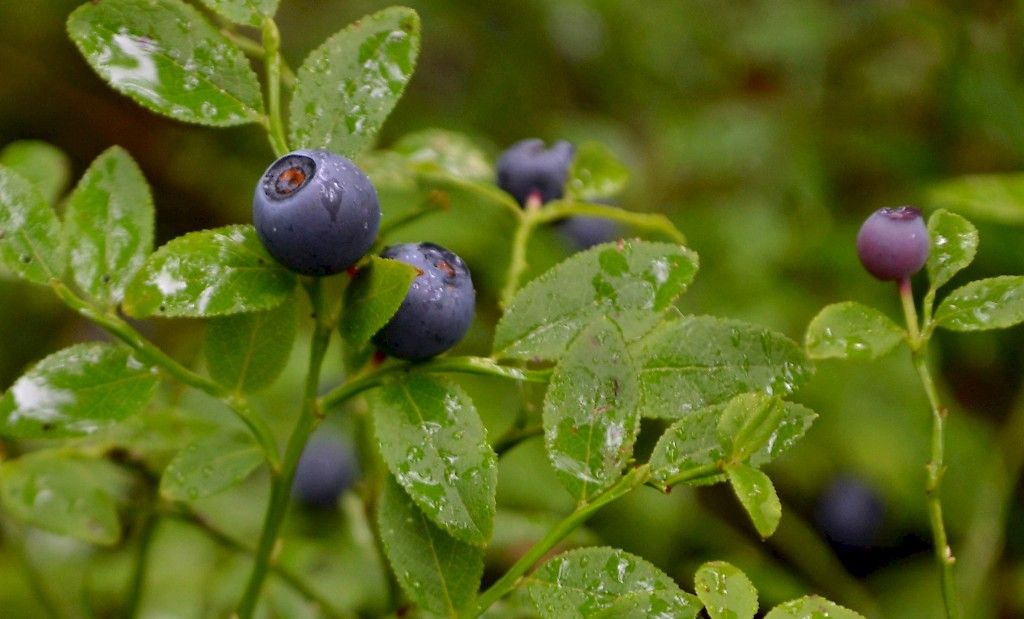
(954, 244)
(209, 273)
(811, 607)
(748, 424)
(437, 572)
(246, 353)
(591, 417)
(726, 592)
(851, 331)
(210, 465)
(348, 86)
(43, 165)
(75, 391)
(596, 173)
(168, 58)
(606, 582)
(757, 495)
(994, 303)
(373, 297)
(31, 244)
(110, 218)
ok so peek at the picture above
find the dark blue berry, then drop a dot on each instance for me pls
(893, 243)
(438, 308)
(326, 469)
(527, 167)
(850, 513)
(584, 232)
(316, 212)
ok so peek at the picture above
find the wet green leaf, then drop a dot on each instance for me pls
(757, 495)
(245, 12)
(43, 165)
(811, 607)
(437, 572)
(64, 494)
(348, 86)
(748, 423)
(994, 303)
(446, 151)
(77, 390)
(991, 197)
(209, 273)
(954, 244)
(31, 244)
(632, 282)
(695, 361)
(590, 411)
(436, 447)
(168, 58)
(851, 330)
(109, 220)
(606, 583)
(247, 352)
(690, 450)
(595, 173)
(726, 592)
(373, 297)
(210, 465)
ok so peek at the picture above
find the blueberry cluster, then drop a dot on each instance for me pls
(318, 214)
(535, 175)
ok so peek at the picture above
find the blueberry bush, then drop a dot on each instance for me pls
(440, 342)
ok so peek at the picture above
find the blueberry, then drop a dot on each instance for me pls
(527, 167)
(316, 212)
(326, 469)
(893, 243)
(438, 308)
(584, 232)
(849, 512)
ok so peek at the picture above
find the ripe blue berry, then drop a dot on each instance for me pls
(527, 167)
(326, 469)
(850, 513)
(893, 243)
(316, 212)
(438, 308)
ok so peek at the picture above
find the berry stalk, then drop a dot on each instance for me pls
(272, 64)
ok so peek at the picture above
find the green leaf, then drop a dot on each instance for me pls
(595, 173)
(373, 297)
(64, 494)
(348, 86)
(590, 411)
(436, 447)
(992, 197)
(110, 219)
(77, 391)
(446, 151)
(437, 572)
(31, 244)
(748, 423)
(695, 361)
(690, 451)
(244, 12)
(851, 331)
(954, 244)
(168, 58)
(209, 273)
(994, 303)
(757, 495)
(210, 465)
(726, 592)
(247, 352)
(607, 583)
(43, 165)
(632, 282)
(811, 607)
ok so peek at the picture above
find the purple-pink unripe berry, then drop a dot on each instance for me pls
(893, 243)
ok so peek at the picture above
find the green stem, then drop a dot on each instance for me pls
(651, 222)
(272, 64)
(254, 49)
(281, 483)
(150, 353)
(514, 436)
(520, 245)
(147, 529)
(511, 578)
(936, 467)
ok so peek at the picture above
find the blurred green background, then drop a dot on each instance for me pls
(765, 130)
